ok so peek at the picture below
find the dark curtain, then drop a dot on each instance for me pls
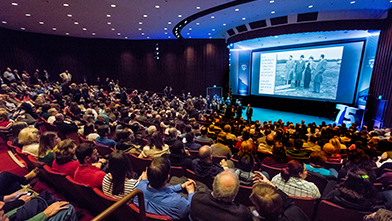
(186, 65)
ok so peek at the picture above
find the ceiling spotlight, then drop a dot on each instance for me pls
(67, 33)
(165, 29)
(276, 36)
(209, 33)
(93, 33)
(140, 23)
(243, 18)
(4, 22)
(145, 16)
(54, 29)
(126, 37)
(108, 16)
(188, 33)
(197, 23)
(22, 28)
(169, 37)
(272, 12)
(113, 6)
(169, 23)
(140, 29)
(352, 2)
(76, 23)
(41, 22)
(118, 33)
(272, 1)
(224, 24)
(28, 15)
(237, 9)
(143, 33)
(190, 36)
(157, 6)
(198, 7)
(210, 37)
(157, 57)
(109, 23)
(84, 29)
(65, 5)
(213, 29)
(113, 29)
(14, 3)
(69, 15)
(179, 16)
(212, 16)
(190, 28)
(165, 33)
(310, 6)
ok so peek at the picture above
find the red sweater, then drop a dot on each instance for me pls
(90, 175)
(68, 168)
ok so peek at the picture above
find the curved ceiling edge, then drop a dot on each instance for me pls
(179, 26)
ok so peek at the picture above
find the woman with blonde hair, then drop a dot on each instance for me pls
(29, 138)
(338, 146)
(64, 157)
(246, 148)
(47, 142)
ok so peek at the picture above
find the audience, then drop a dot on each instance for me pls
(47, 142)
(279, 158)
(103, 132)
(204, 166)
(155, 147)
(190, 142)
(64, 158)
(219, 148)
(29, 138)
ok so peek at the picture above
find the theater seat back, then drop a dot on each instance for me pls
(328, 211)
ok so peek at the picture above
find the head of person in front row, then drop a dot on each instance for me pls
(295, 169)
(225, 187)
(268, 202)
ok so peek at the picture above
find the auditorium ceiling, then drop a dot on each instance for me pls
(158, 19)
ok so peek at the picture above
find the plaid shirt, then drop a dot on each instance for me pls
(296, 187)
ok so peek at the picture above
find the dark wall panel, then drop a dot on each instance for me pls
(186, 65)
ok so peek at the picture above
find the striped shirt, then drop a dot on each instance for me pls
(129, 186)
(296, 187)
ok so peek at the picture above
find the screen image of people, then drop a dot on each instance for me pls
(310, 73)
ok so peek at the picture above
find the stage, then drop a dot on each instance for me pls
(263, 114)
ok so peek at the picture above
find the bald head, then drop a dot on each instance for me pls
(205, 152)
(226, 185)
(270, 139)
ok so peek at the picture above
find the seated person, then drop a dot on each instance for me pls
(178, 157)
(5, 123)
(29, 138)
(317, 161)
(172, 136)
(65, 127)
(47, 142)
(339, 147)
(103, 132)
(279, 158)
(268, 145)
(125, 142)
(297, 151)
(89, 132)
(155, 147)
(245, 169)
(16, 128)
(332, 157)
(356, 191)
(119, 181)
(11, 183)
(219, 148)
(203, 137)
(292, 181)
(272, 204)
(190, 142)
(219, 204)
(52, 115)
(64, 157)
(88, 173)
(204, 166)
(311, 145)
(160, 199)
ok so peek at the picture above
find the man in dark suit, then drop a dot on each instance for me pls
(318, 78)
(298, 70)
(249, 113)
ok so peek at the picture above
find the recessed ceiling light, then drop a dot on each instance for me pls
(272, 1)
(209, 33)
(212, 16)
(65, 5)
(67, 33)
(109, 23)
(126, 37)
(113, 29)
(237, 9)
(190, 36)
(148, 38)
(190, 28)
(22, 28)
(197, 7)
(179, 16)
(4, 22)
(165, 33)
(140, 23)
(243, 18)
(54, 29)
(76, 23)
(272, 12)
(119, 33)
(169, 23)
(188, 33)
(210, 37)
(310, 6)
(276, 36)
(69, 15)
(28, 15)
(145, 16)
(14, 3)
(213, 29)
(41, 22)
(197, 23)
(140, 29)
(352, 2)
(224, 24)
(84, 29)
(157, 6)
(113, 6)
(108, 16)
(93, 33)
(164, 28)
(169, 37)
(143, 33)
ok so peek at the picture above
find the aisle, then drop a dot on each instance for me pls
(9, 162)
